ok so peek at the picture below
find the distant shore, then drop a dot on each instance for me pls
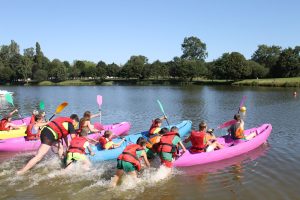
(272, 82)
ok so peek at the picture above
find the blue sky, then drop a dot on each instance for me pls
(113, 30)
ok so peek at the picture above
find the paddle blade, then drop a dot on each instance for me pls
(226, 124)
(243, 101)
(42, 105)
(61, 107)
(9, 98)
(161, 107)
(99, 100)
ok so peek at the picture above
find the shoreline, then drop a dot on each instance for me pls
(273, 82)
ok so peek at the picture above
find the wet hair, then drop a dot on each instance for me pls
(107, 134)
(174, 129)
(84, 132)
(74, 117)
(141, 141)
(157, 121)
(237, 117)
(38, 117)
(163, 131)
(202, 125)
(86, 117)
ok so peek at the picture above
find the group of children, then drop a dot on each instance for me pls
(162, 142)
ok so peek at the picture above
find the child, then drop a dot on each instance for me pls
(129, 160)
(86, 121)
(152, 142)
(156, 124)
(168, 147)
(34, 113)
(236, 130)
(76, 150)
(6, 124)
(106, 141)
(33, 129)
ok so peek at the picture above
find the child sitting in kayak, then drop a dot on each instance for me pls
(168, 147)
(152, 143)
(202, 141)
(33, 129)
(86, 122)
(77, 148)
(156, 124)
(6, 124)
(106, 141)
(129, 160)
(34, 113)
(236, 130)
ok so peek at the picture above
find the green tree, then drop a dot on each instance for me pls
(112, 70)
(257, 70)
(193, 49)
(40, 75)
(58, 70)
(288, 64)
(38, 59)
(134, 67)
(267, 55)
(231, 66)
(29, 52)
(14, 48)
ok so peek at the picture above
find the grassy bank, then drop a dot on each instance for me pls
(274, 82)
(67, 83)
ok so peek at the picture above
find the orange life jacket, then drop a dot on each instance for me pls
(103, 141)
(197, 140)
(166, 143)
(3, 123)
(153, 129)
(236, 131)
(57, 126)
(77, 145)
(129, 155)
(153, 139)
(29, 134)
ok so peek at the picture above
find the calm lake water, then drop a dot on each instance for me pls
(270, 172)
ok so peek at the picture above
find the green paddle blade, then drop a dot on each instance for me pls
(9, 98)
(161, 107)
(42, 105)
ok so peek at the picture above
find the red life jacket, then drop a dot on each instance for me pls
(166, 145)
(103, 141)
(197, 140)
(129, 155)
(3, 123)
(29, 134)
(77, 145)
(57, 126)
(32, 119)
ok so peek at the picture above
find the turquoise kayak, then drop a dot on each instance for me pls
(101, 155)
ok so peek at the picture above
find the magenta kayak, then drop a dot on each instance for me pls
(25, 120)
(231, 148)
(20, 144)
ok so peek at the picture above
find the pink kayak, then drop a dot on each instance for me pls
(231, 148)
(20, 144)
(25, 120)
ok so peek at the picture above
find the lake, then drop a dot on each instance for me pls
(269, 172)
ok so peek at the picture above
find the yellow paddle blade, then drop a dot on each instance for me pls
(61, 107)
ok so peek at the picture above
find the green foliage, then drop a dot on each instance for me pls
(40, 75)
(257, 70)
(231, 66)
(267, 55)
(193, 49)
(134, 67)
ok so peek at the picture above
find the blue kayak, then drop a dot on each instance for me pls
(101, 155)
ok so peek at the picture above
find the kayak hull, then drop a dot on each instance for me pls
(20, 144)
(231, 148)
(101, 155)
(17, 132)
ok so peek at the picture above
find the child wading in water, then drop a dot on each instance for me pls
(76, 151)
(129, 160)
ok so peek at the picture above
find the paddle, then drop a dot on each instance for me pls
(162, 110)
(42, 105)
(59, 109)
(229, 123)
(10, 100)
(99, 101)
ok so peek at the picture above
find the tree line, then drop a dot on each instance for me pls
(266, 61)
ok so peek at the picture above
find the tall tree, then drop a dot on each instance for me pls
(193, 49)
(267, 55)
(134, 67)
(29, 52)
